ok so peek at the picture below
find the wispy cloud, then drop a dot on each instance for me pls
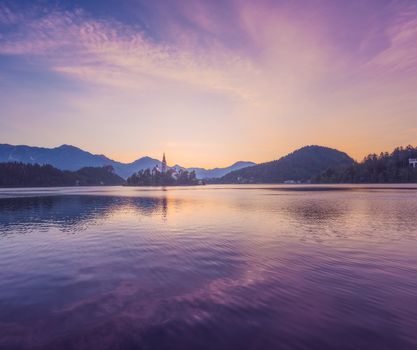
(8, 16)
(401, 51)
(108, 52)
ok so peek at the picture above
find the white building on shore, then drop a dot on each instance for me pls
(413, 161)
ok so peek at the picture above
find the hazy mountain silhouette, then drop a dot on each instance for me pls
(217, 172)
(303, 164)
(67, 157)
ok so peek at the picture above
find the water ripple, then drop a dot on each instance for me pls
(219, 267)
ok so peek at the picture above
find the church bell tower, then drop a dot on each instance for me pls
(164, 164)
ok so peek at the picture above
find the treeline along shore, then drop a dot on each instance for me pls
(15, 174)
(394, 167)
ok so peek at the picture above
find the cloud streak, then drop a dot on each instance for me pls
(108, 52)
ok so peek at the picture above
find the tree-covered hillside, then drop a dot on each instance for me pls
(383, 168)
(35, 175)
(301, 165)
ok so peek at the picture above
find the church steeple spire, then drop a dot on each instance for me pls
(164, 164)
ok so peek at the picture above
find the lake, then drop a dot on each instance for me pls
(210, 267)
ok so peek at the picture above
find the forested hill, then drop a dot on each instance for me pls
(303, 165)
(383, 168)
(34, 175)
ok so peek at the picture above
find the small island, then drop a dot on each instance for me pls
(163, 176)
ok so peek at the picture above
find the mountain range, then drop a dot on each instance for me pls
(67, 157)
(69, 165)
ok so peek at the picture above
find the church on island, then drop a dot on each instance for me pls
(163, 169)
(163, 175)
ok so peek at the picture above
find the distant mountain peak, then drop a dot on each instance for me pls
(145, 158)
(240, 162)
(65, 146)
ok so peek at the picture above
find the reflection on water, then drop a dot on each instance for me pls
(214, 267)
(71, 213)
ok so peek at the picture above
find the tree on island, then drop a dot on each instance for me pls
(169, 177)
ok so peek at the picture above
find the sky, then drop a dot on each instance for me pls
(209, 82)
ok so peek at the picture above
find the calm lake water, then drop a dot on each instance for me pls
(212, 267)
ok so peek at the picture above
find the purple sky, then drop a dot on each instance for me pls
(209, 82)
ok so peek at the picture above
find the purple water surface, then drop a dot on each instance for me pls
(212, 267)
